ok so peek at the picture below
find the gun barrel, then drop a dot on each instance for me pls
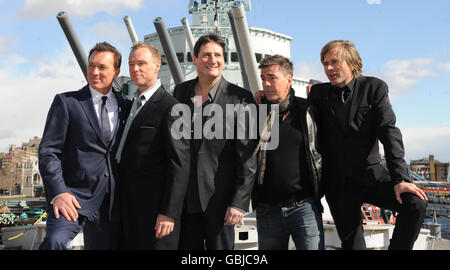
(72, 38)
(169, 50)
(246, 47)
(188, 32)
(130, 28)
(237, 44)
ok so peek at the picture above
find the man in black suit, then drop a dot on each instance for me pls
(150, 160)
(354, 114)
(222, 169)
(76, 157)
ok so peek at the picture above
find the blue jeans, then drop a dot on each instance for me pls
(301, 220)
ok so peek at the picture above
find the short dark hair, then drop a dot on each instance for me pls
(211, 37)
(106, 47)
(284, 63)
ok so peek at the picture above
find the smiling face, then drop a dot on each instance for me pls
(210, 61)
(337, 70)
(101, 71)
(276, 83)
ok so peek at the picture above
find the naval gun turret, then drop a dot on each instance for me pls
(119, 83)
(74, 43)
(247, 53)
(130, 28)
(169, 50)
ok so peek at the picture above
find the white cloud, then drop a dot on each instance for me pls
(13, 59)
(308, 70)
(80, 8)
(420, 142)
(9, 43)
(403, 75)
(111, 30)
(27, 98)
(374, 2)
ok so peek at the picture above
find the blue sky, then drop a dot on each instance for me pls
(404, 42)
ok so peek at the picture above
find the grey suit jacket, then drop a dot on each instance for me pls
(226, 167)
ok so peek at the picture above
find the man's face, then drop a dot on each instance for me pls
(338, 72)
(210, 61)
(101, 71)
(276, 83)
(143, 68)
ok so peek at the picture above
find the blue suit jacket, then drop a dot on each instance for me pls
(73, 157)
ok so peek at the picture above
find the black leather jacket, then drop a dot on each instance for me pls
(313, 156)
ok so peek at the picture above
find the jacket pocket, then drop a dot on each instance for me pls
(360, 116)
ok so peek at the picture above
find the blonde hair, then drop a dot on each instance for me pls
(156, 55)
(346, 52)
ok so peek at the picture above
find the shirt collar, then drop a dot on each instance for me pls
(350, 85)
(96, 95)
(211, 93)
(148, 93)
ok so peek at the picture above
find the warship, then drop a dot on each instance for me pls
(245, 47)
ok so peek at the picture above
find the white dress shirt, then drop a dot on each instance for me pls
(148, 93)
(111, 106)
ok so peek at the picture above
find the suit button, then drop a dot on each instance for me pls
(106, 174)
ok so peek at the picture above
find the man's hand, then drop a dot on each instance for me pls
(164, 226)
(258, 96)
(233, 216)
(67, 205)
(408, 187)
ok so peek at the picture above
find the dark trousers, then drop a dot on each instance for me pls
(133, 240)
(99, 232)
(345, 206)
(201, 231)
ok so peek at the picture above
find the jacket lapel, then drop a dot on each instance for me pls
(356, 101)
(148, 107)
(89, 110)
(122, 116)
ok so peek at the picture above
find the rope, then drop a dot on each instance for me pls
(20, 234)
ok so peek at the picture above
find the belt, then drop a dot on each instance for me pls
(294, 202)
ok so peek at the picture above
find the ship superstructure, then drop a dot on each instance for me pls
(212, 16)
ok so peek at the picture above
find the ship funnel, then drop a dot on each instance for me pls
(237, 44)
(248, 54)
(130, 28)
(72, 38)
(187, 31)
(169, 50)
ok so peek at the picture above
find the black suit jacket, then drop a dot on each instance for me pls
(226, 167)
(73, 156)
(355, 150)
(152, 162)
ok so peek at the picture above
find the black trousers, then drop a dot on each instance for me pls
(200, 231)
(345, 206)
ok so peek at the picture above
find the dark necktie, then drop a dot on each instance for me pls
(104, 121)
(344, 93)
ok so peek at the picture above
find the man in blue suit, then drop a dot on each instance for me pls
(76, 153)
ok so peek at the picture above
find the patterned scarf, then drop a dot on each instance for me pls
(284, 106)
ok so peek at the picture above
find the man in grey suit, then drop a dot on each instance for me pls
(222, 169)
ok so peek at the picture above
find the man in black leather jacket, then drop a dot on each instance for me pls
(286, 194)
